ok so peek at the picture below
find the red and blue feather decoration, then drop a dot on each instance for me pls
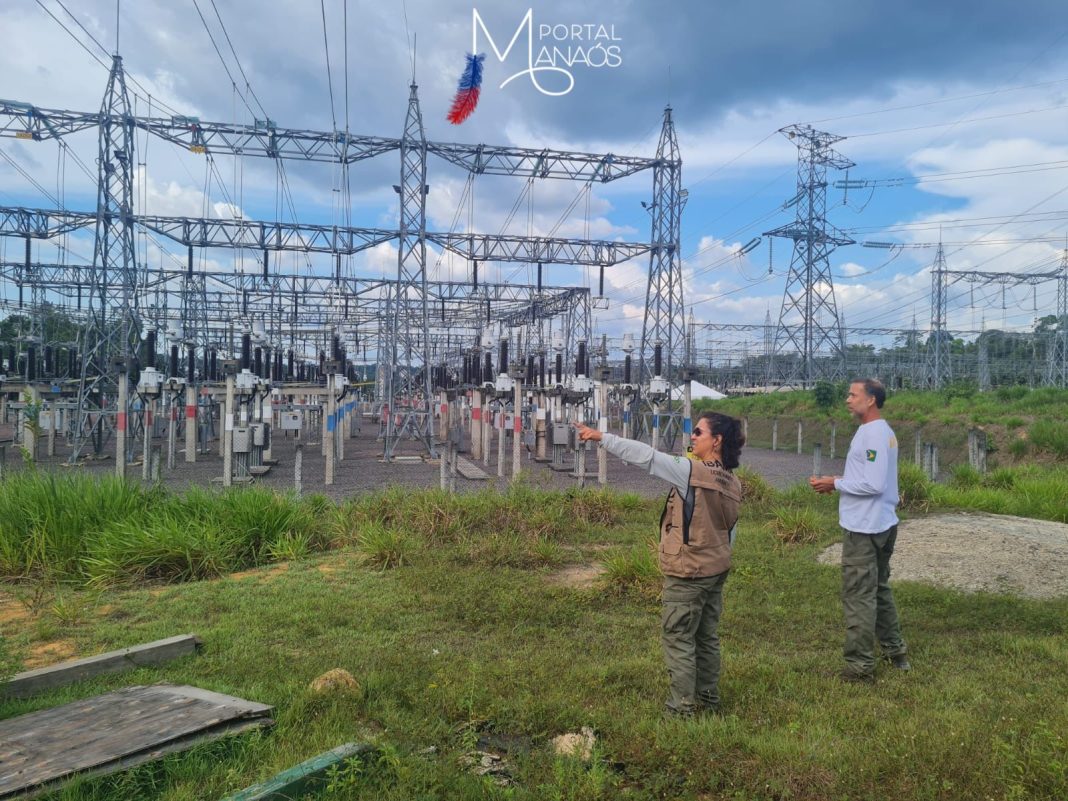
(463, 105)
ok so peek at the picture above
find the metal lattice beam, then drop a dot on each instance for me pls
(307, 238)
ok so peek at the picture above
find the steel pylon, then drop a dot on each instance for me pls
(939, 368)
(105, 345)
(808, 336)
(664, 310)
(408, 390)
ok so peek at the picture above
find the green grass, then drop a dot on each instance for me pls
(463, 635)
(104, 532)
(1031, 491)
(1051, 437)
(76, 529)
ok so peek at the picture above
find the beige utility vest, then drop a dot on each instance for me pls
(695, 528)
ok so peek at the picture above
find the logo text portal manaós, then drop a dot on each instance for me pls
(551, 58)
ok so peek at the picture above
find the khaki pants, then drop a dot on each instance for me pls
(691, 645)
(867, 600)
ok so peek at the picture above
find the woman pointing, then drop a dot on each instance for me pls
(696, 532)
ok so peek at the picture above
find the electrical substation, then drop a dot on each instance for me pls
(156, 361)
(301, 487)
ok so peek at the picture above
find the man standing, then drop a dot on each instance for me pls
(868, 498)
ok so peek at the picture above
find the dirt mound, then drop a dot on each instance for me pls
(980, 553)
(579, 577)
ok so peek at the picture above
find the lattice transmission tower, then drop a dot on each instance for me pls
(106, 344)
(664, 311)
(408, 372)
(939, 368)
(808, 336)
(1057, 364)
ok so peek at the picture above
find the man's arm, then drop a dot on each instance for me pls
(873, 473)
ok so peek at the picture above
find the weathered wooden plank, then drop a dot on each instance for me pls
(43, 749)
(308, 776)
(227, 729)
(32, 682)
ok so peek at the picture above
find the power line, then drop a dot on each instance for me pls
(935, 177)
(77, 22)
(329, 76)
(240, 69)
(938, 102)
(73, 36)
(30, 178)
(959, 122)
(961, 222)
(222, 60)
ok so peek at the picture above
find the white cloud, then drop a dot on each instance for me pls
(738, 170)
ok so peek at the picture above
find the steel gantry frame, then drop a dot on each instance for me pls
(939, 366)
(115, 219)
(809, 322)
(299, 306)
(409, 309)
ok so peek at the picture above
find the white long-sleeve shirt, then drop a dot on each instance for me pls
(868, 490)
(673, 469)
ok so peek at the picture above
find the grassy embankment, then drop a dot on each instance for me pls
(1022, 425)
(445, 611)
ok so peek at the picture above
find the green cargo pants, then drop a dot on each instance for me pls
(867, 600)
(691, 645)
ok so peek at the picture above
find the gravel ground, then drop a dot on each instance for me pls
(363, 469)
(980, 553)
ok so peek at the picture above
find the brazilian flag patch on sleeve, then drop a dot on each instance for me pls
(870, 455)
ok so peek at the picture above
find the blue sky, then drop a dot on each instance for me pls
(958, 92)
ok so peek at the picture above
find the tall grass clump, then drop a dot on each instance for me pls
(203, 535)
(383, 547)
(1050, 437)
(755, 488)
(796, 525)
(263, 520)
(913, 486)
(46, 520)
(1000, 478)
(964, 475)
(162, 547)
(1032, 491)
(530, 514)
(633, 571)
(102, 530)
